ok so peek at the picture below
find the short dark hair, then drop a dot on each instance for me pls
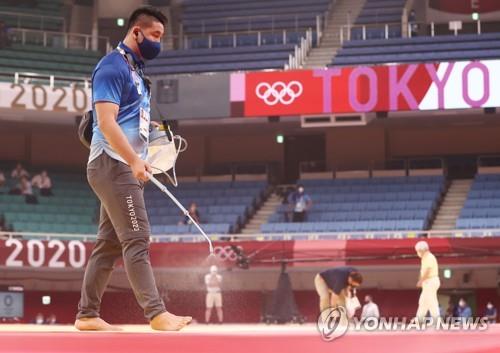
(356, 277)
(144, 14)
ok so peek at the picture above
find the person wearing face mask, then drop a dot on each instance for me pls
(299, 203)
(490, 313)
(464, 311)
(336, 285)
(117, 170)
(213, 281)
(428, 281)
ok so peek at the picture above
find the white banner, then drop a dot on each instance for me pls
(43, 98)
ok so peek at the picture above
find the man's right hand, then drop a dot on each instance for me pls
(139, 169)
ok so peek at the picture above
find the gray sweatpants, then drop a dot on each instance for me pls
(123, 232)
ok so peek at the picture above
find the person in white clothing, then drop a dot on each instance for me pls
(370, 309)
(19, 172)
(213, 281)
(27, 190)
(428, 281)
(42, 181)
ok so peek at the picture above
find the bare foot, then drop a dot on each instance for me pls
(169, 322)
(94, 324)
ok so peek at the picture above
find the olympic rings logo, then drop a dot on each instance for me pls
(279, 92)
(226, 253)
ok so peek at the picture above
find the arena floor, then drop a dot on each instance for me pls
(241, 339)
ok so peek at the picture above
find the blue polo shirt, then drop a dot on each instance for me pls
(337, 278)
(299, 201)
(115, 81)
(491, 312)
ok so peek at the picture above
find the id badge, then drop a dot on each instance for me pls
(144, 124)
(137, 83)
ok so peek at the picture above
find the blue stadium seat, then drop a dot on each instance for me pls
(378, 204)
(440, 48)
(223, 58)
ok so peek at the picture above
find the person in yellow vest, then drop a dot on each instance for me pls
(428, 281)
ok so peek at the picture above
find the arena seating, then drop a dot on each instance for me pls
(241, 35)
(381, 11)
(418, 49)
(230, 35)
(10, 9)
(221, 59)
(482, 207)
(375, 14)
(239, 16)
(377, 204)
(35, 51)
(48, 60)
(223, 206)
(242, 39)
(72, 209)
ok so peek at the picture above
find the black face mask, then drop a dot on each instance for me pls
(148, 48)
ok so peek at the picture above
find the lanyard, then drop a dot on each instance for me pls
(134, 67)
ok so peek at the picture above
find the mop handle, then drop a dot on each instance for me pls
(164, 189)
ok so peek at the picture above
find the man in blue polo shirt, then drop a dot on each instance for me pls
(117, 171)
(335, 285)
